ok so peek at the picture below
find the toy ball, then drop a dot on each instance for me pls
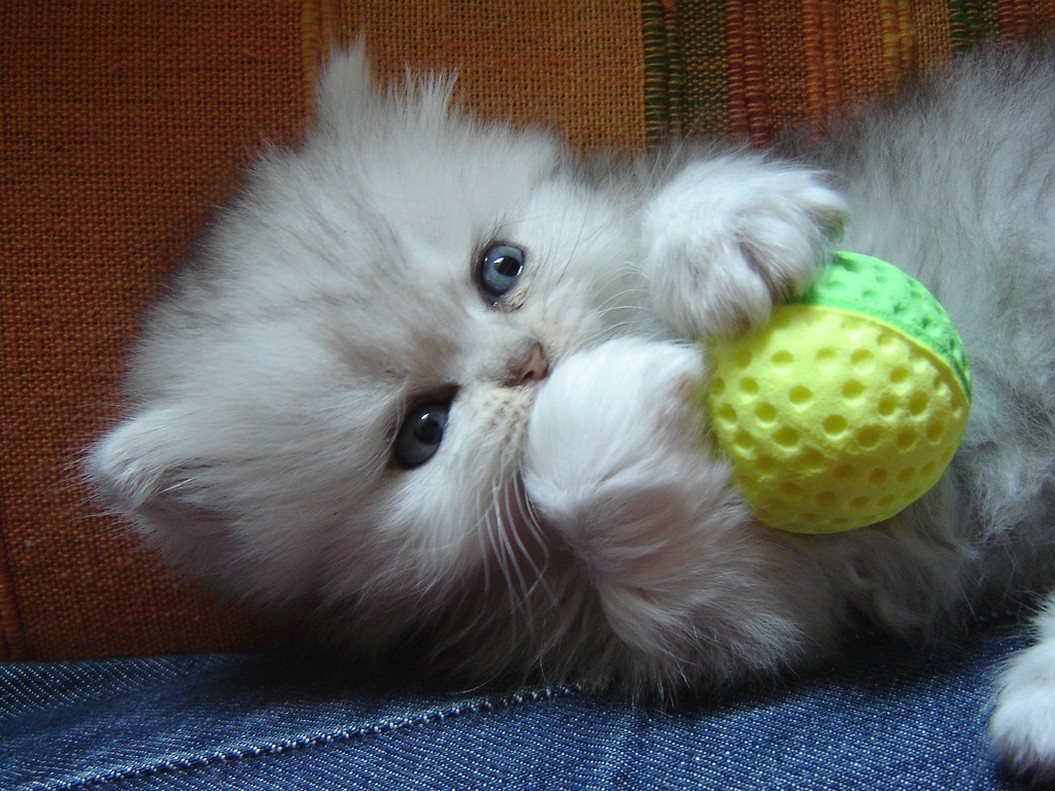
(847, 406)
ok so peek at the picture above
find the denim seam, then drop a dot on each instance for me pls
(295, 745)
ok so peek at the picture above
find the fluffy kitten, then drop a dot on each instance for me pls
(430, 374)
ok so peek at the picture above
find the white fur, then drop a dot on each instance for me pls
(1023, 724)
(761, 223)
(577, 525)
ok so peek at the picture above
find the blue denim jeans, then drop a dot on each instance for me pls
(883, 718)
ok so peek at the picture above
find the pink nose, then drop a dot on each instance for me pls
(534, 367)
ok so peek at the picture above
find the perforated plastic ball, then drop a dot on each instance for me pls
(847, 406)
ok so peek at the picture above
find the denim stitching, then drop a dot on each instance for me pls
(379, 729)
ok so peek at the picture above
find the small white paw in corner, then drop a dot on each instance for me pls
(1022, 726)
(729, 236)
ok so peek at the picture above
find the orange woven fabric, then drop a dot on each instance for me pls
(122, 123)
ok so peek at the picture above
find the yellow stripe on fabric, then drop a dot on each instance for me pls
(916, 34)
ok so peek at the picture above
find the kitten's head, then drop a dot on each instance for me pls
(331, 401)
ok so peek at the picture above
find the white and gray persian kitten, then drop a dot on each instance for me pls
(430, 374)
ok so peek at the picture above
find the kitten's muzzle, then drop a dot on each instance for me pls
(534, 367)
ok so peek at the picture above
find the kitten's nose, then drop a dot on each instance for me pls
(534, 367)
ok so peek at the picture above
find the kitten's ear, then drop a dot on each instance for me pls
(346, 88)
(143, 468)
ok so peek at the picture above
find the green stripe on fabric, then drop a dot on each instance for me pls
(686, 68)
(658, 91)
(971, 20)
(705, 103)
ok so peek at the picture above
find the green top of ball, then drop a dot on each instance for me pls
(868, 285)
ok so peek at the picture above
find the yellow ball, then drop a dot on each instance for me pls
(847, 406)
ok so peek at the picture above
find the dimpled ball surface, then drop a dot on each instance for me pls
(847, 406)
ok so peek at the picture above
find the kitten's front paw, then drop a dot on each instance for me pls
(728, 237)
(1022, 726)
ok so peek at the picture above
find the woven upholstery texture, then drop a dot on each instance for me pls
(746, 69)
(124, 122)
(574, 67)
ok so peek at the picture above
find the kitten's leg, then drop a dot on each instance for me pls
(729, 236)
(1023, 723)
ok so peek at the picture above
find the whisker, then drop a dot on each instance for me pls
(493, 531)
(524, 553)
(629, 291)
(480, 528)
(530, 519)
(507, 535)
(498, 536)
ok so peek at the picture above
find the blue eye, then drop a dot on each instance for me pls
(500, 266)
(421, 434)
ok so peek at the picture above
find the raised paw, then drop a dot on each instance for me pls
(730, 236)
